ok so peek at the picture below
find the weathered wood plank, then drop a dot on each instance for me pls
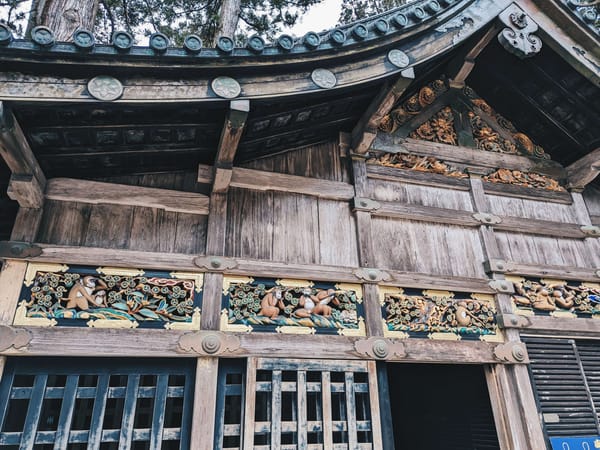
(554, 272)
(152, 230)
(110, 226)
(379, 172)
(327, 418)
(211, 300)
(510, 190)
(205, 402)
(250, 402)
(11, 280)
(26, 190)
(64, 223)
(96, 192)
(271, 181)
(337, 234)
(215, 230)
(583, 171)
(374, 402)
(232, 132)
(27, 224)
(190, 234)
(532, 209)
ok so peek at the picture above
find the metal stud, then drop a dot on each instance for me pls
(42, 36)
(381, 26)
(225, 44)
(158, 42)
(312, 40)
(360, 31)
(192, 44)
(83, 39)
(285, 42)
(122, 41)
(338, 36)
(400, 20)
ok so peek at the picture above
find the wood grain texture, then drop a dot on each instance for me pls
(205, 402)
(96, 192)
(64, 223)
(337, 234)
(26, 190)
(379, 172)
(27, 224)
(11, 281)
(532, 209)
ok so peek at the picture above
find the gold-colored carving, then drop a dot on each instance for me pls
(32, 269)
(107, 323)
(295, 330)
(487, 139)
(418, 163)
(237, 328)
(497, 337)
(444, 336)
(193, 325)
(384, 291)
(120, 271)
(433, 293)
(228, 281)
(556, 297)
(357, 288)
(527, 179)
(294, 283)
(360, 331)
(197, 277)
(394, 333)
(440, 128)
(22, 319)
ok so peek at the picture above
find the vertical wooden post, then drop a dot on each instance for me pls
(205, 403)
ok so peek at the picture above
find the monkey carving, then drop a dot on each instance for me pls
(268, 305)
(85, 293)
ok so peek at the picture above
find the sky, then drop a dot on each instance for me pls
(319, 17)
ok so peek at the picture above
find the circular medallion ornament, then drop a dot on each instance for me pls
(192, 44)
(83, 39)
(105, 88)
(312, 40)
(211, 344)
(360, 32)
(5, 35)
(381, 26)
(419, 13)
(323, 78)
(122, 41)
(285, 42)
(256, 44)
(42, 36)
(158, 42)
(400, 20)
(380, 349)
(398, 58)
(338, 36)
(225, 44)
(226, 87)
(433, 7)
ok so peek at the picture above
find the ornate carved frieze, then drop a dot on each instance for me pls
(586, 11)
(440, 128)
(555, 297)
(413, 106)
(518, 37)
(527, 179)
(292, 306)
(107, 297)
(208, 343)
(418, 163)
(438, 314)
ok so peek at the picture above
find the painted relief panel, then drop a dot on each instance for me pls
(538, 296)
(438, 314)
(292, 306)
(106, 297)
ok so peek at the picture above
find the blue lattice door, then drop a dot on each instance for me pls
(95, 404)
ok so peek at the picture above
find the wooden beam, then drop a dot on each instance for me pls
(365, 131)
(95, 192)
(26, 190)
(583, 171)
(544, 271)
(468, 62)
(270, 181)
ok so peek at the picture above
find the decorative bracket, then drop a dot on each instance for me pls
(215, 263)
(14, 249)
(208, 343)
(372, 275)
(512, 352)
(380, 348)
(591, 230)
(518, 37)
(496, 265)
(365, 204)
(512, 321)
(487, 219)
(502, 286)
(13, 337)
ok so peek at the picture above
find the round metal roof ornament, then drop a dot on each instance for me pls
(398, 58)
(285, 42)
(225, 44)
(323, 78)
(433, 7)
(400, 20)
(158, 42)
(42, 36)
(338, 36)
(312, 40)
(226, 87)
(256, 44)
(360, 32)
(105, 88)
(5, 35)
(122, 41)
(192, 44)
(589, 15)
(83, 39)
(381, 26)
(419, 13)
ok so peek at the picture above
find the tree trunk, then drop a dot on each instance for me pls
(63, 17)
(229, 16)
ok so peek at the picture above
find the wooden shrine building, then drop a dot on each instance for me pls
(383, 236)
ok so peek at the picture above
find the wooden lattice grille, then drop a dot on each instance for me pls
(95, 404)
(305, 404)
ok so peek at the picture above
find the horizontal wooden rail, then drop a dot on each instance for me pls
(553, 326)
(270, 181)
(388, 173)
(95, 192)
(554, 272)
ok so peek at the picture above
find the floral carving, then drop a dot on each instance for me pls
(416, 162)
(82, 294)
(440, 128)
(271, 306)
(556, 295)
(439, 313)
(527, 179)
